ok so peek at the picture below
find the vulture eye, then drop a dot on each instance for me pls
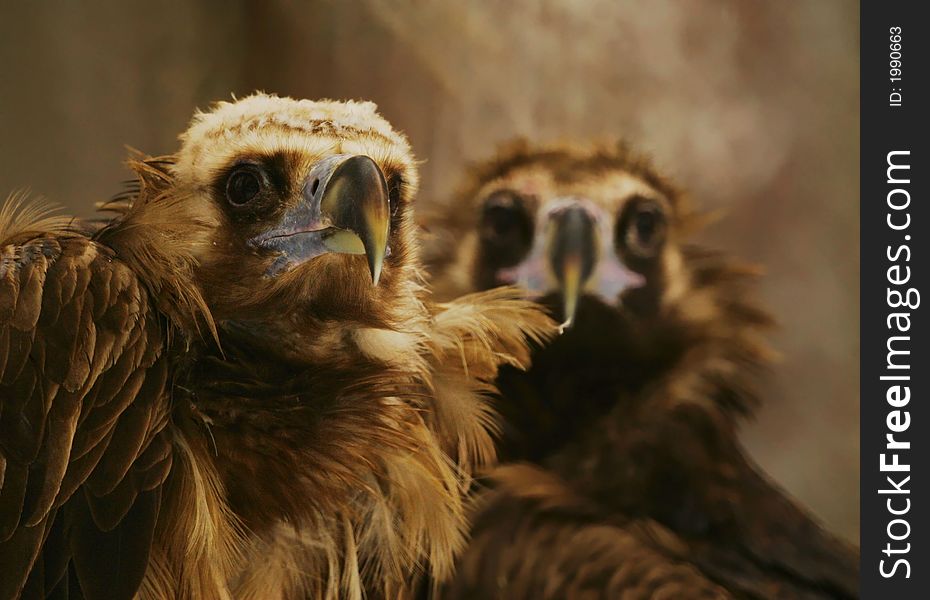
(506, 228)
(243, 185)
(641, 228)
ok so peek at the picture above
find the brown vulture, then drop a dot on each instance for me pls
(238, 386)
(621, 471)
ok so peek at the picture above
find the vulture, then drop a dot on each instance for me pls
(235, 384)
(621, 472)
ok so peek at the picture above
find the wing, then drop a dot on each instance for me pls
(741, 530)
(780, 549)
(533, 538)
(83, 451)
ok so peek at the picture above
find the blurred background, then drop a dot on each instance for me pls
(752, 106)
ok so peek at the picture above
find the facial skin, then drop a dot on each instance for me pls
(292, 217)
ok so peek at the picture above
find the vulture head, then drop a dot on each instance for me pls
(278, 217)
(576, 227)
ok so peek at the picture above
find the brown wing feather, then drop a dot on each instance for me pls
(82, 409)
(741, 530)
(535, 538)
(777, 550)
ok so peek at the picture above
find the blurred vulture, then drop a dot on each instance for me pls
(624, 474)
(237, 387)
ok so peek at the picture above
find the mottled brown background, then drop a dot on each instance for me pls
(752, 105)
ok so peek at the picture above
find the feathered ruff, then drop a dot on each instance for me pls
(471, 339)
(365, 508)
(159, 234)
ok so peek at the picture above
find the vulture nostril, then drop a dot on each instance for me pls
(314, 186)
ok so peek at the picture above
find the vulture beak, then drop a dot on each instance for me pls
(573, 254)
(344, 208)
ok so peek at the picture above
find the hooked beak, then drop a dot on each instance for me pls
(573, 255)
(344, 208)
(355, 198)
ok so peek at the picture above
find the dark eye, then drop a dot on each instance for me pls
(641, 228)
(506, 228)
(243, 186)
(501, 222)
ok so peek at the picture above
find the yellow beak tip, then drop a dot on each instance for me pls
(375, 266)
